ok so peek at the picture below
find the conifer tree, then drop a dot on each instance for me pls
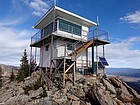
(24, 67)
(12, 76)
(0, 77)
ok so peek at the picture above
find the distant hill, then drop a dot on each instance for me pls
(131, 72)
(8, 67)
(130, 75)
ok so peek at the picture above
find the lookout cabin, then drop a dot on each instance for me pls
(63, 39)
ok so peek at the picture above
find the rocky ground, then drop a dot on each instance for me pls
(87, 91)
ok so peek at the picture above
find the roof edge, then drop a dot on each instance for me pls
(66, 11)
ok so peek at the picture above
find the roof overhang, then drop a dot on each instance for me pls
(59, 12)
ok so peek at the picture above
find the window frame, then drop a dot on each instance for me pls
(70, 27)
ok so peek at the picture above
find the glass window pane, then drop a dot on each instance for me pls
(69, 27)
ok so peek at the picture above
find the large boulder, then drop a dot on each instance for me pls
(19, 91)
(124, 96)
(132, 91)
(35, 94)
(109, 86)
(75, 102)
(5, 97)
(18, 100)
(100, 97)
(73, 97)
(115, 82)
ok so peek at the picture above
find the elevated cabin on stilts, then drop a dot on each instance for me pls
(64, 39)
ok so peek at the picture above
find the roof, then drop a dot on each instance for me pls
(49, 16)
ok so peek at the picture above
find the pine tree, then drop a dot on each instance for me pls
(12, 76)
(0, 77)
(32, 64)
(24, 67)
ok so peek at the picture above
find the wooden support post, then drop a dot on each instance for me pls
(41, 70)
(86, 57)
(35, 54)
(82, 64)
(96, 58)
(51, 53)
(93, 69)
(35, 59)
(74, 69)
(64, 73)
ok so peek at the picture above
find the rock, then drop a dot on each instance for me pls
(11, 101)
(18, 100)
(24, 99)
(86, 91)
(64, 91)
(87, 103)
(132, 91)
(55, 95)
(85, 88)
(4, 97)
(47, 101)
(28, 78)
(49, 93)
(100, 96)
(61, 101)
(19, 91)
(124, 96)
(80, 86)
(75, 102)
(115, 82)
(68, 102)
(36, 93)
(109, 86)
(81, 93)
(72, 97)
(119, 102)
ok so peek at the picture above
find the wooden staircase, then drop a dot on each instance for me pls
(81, 48)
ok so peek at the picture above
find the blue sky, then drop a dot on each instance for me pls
(121, 18)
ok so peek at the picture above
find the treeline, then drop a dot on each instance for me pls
(23, 71)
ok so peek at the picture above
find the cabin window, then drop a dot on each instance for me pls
(49, 29)
(47, 48)
(70, 47)
(69, 27)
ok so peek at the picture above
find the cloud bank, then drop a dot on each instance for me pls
(132, 18)
(12, 41)
(121, 54)
(12, 44)
(39, 7)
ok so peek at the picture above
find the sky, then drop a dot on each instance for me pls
(121, 18)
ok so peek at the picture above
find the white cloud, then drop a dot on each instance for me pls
(39, 7)
(11, 21)
(132, 18)
(133, 40)
(122, 54)
(12, 44)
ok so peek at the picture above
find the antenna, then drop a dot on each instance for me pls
(54, 2)
(97, 20)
